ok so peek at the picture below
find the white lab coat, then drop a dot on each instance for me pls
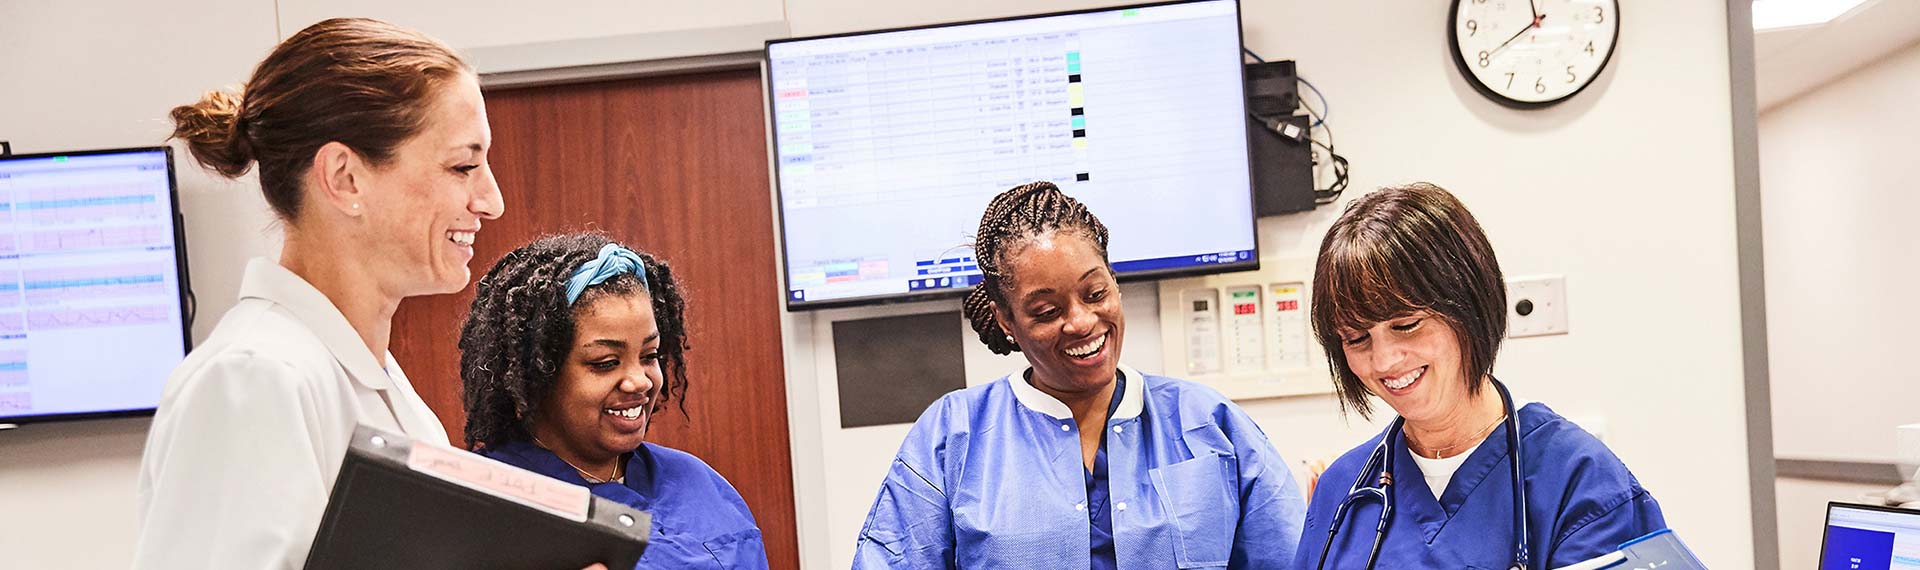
(253, 425)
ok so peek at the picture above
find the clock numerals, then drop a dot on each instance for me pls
(1540, 83)
(1560, 45)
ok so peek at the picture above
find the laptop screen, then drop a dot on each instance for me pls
(1861, 537)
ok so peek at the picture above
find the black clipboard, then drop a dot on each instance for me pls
(404, 504)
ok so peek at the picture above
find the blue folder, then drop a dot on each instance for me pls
(1661, 550)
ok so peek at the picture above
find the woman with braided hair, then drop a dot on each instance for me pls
(1079, 461)
(573, 343)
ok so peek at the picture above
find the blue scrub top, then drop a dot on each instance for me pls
(992, 477)
(699, 520)
(1583, 501)
(1100, 510)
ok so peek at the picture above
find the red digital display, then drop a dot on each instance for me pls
(1245, 309)
(1287, 305)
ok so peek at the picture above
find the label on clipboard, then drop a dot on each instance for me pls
(501, 480)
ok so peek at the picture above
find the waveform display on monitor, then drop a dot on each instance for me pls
(90, 285)
(13, 369)
(116, 281)
(103, 317)
(150, 235)
(13, 402)
(91, 204)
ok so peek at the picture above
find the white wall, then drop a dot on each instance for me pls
(1627, 191)
(94, 74)
(1837, 176)
(1802, 509)
(468, 24)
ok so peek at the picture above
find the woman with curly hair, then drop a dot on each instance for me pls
(1079, 461)
(573, 343)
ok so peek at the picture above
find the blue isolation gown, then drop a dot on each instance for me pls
(699, 521)
(1583, 502)
(992, 477)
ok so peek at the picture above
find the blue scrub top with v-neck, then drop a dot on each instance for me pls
(1099, 513)
(1583, 503)
(699, 520)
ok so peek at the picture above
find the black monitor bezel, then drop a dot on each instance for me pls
(180, 266)
(780, 210)
(1829, 519)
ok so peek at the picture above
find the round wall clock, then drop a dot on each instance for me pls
(1532, 53)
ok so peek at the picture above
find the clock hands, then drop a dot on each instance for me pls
(1537, 19)
(1531, 75)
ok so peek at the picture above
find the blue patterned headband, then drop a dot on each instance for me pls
(612, 262)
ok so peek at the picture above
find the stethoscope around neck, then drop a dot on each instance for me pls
(1381, 462)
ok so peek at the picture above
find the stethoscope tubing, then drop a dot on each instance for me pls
(1382, 458)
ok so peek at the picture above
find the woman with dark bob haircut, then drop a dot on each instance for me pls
(1410, 307)
(573, 343)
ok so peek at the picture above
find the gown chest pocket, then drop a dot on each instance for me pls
(1199, 498)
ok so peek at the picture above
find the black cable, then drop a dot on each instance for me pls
(1320, 121)
(1332, 193)
(1341, 166)
(1325, 109)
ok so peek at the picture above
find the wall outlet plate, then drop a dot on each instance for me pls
(1290, 362)
(1536, 306)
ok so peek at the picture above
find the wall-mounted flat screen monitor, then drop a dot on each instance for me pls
(889, 144)
(92, 283)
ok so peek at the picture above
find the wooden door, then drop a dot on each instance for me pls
(676, 166)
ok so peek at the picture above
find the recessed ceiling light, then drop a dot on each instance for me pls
(1779, 14)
